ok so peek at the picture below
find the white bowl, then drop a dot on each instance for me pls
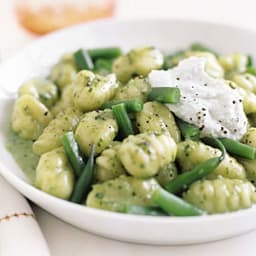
(165, 34)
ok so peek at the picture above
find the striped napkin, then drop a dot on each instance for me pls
(20, 234)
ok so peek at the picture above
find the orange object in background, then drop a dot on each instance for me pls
(43, 16)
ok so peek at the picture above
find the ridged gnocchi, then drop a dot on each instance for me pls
(135, 88)
(98, 128)
(144, 154)
(221, 195)
(29, 117)
(245, 81)
(156, 117)
(91, 91)
(190, 153)
(250, 165)
(54, 174)
(51, 136)
(233, 63)
(130, 191)
(139, 61)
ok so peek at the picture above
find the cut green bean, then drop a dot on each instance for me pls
(105, 53)
(239, 149)
(144, 210)
(84, 182)
(122, 118)
(249, 61)
(202, 48)
(165, 94)
(188, 131)
(73, 153)
(182, 181)
(251, 70)
(83, 60)
(131, 105)
(174, 205)
(103, 66)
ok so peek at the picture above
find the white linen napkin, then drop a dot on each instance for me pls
(20, 234)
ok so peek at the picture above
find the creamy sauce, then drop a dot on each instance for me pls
(207, 102)
(21, 151)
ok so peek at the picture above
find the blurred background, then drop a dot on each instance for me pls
(22, 21)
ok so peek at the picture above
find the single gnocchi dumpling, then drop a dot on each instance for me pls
(108, 165)
(156, 117)
(51, 136)
(98, 128)
(54, 174)
(135, 88)
(143, 155)
(91, 91)
(249, 165)
(233, 63)
(245, 81)
(190, 153)
(115, 195)
(29, 117)
(139, 61)
(64, 72)
(42, 89)
(221, 195)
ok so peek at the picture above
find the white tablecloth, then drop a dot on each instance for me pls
(65, 240)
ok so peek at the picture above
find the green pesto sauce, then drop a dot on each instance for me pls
(21, 151)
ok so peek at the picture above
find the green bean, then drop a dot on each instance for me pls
(105, 53)
(131, 105)
(188, 131)
(103, 66)
(143, 210)
(249, 61)
(182, 181)
(73, 153)
(174, 205)
(83, 60)
(217, 143)
(122, 118)
(165, 94)
(201, 48)
(239, 149)
(251, 70)
(83, 183)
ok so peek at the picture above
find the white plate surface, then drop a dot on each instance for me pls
(165, 34)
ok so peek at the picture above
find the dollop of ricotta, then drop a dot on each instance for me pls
(207, 102)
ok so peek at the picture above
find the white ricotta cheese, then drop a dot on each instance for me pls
(207, 102)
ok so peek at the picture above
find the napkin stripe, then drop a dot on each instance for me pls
(16, 215)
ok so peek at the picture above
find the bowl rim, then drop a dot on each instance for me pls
(28, 188)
